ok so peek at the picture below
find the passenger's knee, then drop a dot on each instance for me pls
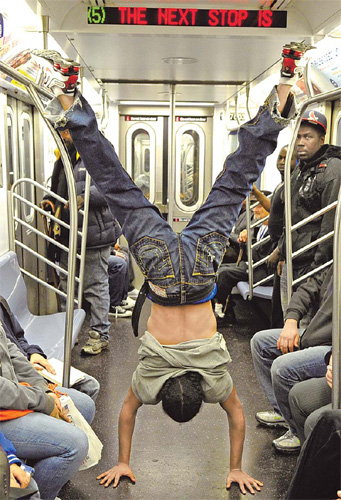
(258, 341)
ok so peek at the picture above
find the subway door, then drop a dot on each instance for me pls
(21, 161)
(192, 165)
(142, 152)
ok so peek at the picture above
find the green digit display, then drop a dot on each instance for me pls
(96, 15)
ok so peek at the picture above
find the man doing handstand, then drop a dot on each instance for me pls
(182, 358)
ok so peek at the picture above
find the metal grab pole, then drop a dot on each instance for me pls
(249, 246)
(171, 167)
(336, 339)
(72, 236)
(24, 80)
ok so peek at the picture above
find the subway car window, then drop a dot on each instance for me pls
(11, 159)
(190, 146)
(338, 131)
(26, 162)
(140, 154)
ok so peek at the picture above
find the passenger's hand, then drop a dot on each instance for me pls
(80, 203)
(115, 474)
(273, 259)
(280, 267)
(244, 480)
(19, 478)
(242, 238)
(39, 363)
(289, 337)
(338, 495)
(329, 374)
(60, 414)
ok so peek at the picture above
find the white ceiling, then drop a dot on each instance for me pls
(226, 57)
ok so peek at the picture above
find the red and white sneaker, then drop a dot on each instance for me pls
(58, 73)
(293, 61)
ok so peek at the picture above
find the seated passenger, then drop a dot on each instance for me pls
(180, 268)
(283, 357)
(309, 399)
(31, 417)
(118, 271)
(36, 356)
(233, 248)
(20, 474)
(230, 274)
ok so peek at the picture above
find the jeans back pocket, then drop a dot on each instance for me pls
(153, 258)
(209, 254)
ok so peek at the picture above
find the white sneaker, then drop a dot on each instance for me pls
(119, 312)
(128, 303)
(218, 309)
(133, 293)
(287, 443)
(271, 419)
(58, 72)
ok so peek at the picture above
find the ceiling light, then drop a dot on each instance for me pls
(166, 103)
(180, 60)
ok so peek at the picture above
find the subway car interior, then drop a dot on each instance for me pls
(171, 84)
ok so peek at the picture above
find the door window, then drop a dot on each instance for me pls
(26, 163)
(190, 145)
(141, 158)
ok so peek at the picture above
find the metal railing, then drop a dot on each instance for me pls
(34, 90)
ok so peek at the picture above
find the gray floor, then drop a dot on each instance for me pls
(179, 461)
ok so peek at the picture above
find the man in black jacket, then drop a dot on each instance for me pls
(284, 357)
(315, 183)
(103, 231)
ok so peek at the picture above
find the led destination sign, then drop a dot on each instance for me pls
(215, 18)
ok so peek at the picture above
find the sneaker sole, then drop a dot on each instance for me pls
(54, 57)
(272, 424)
(113, 315)
(286, 451)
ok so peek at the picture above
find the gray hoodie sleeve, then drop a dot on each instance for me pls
(16, 368)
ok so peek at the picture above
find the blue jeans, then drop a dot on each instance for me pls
(118, 271)
(96, 287)
(56, 448)
(278, 373)
(180, 268)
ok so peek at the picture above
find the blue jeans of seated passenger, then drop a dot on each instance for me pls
(88, 385)
(118, 271)
(278, 373)
(56, 448)
(180, 268)
(96, 287)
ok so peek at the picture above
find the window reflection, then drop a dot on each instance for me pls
(189, 187)
(141, 160)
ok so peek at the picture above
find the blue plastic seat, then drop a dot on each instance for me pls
(46, 331)
(263, 292)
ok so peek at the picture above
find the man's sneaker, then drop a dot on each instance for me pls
(119, 312)
(128, 303)
(95, 343)
(57, 71)
(288, 443)
(271, 419)
(218, 310)
(133, 293)
(292, 63)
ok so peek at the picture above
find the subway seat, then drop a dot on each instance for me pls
(243, 288)
(46, 331)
